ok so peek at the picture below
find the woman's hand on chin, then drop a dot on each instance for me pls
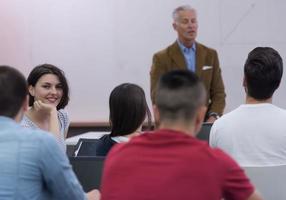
(44, 108)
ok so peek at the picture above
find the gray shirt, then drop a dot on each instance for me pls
(63, 121)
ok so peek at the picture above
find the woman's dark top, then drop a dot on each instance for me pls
(104, 144)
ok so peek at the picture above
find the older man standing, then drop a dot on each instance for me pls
(187, 54)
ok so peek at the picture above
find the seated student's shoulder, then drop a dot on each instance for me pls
(33, 142)
(223, 159)
(64, 118)
(124, 149)
(35, 135)
(228, 118)
(63, 113)
(236, 183)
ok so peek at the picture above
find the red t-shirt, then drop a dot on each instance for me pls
(169, 165)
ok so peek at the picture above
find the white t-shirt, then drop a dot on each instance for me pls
(253, 134)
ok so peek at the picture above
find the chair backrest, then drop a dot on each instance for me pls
(85, 147)
(270, 181)
(204, 133)
(88, 171)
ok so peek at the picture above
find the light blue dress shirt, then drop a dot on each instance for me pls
(190, 55)
(32, 165)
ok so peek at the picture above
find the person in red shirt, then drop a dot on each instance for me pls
(170, 163)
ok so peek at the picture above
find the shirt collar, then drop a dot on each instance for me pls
(185, 49)
(120, 139)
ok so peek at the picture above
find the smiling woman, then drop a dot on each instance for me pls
(49, 94)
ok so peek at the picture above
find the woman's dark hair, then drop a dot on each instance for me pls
(44, 69)
(128, 109)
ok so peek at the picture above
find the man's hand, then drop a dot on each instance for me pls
(211, 119)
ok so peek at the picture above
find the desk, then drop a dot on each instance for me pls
(89, 135)
(77, 128)
(72, 141)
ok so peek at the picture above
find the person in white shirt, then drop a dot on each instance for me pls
(254, 134)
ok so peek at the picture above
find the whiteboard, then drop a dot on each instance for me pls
(102, 43)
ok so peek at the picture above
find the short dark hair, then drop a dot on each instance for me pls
(179, 94)
(44, 69)
(263, 71)
(13, 91)
(128, 109)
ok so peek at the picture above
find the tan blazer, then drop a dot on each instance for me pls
(207, 68)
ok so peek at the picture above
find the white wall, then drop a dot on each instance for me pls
(102, 43)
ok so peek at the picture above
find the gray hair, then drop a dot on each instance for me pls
(175, 13)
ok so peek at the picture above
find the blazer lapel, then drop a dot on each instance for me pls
(177, 56)
(200, 57)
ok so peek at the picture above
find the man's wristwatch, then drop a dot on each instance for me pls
(213, 114)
